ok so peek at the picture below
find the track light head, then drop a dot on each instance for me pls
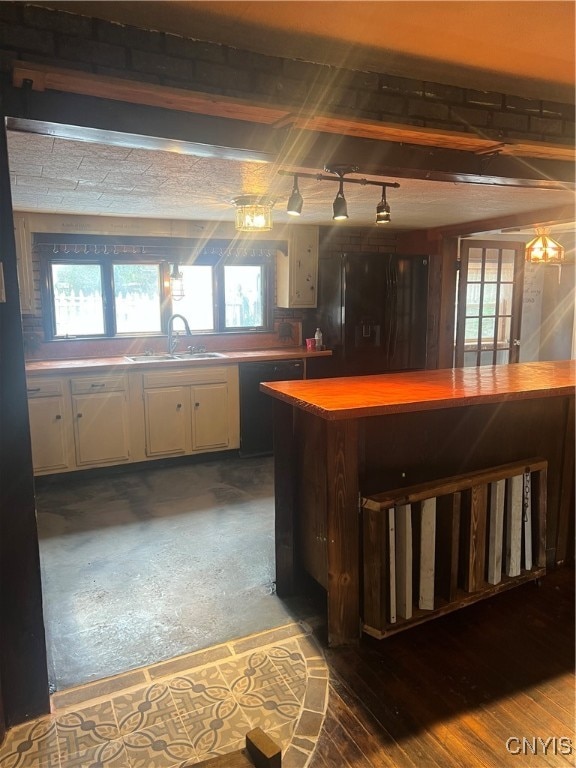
(339, 206)
(383, 210)
(294, 207)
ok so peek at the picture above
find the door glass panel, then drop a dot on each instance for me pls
(489, 301)
(504, 330)
(471, 334)
(502, 356)
(488, 326)
(508, 257)
(78, 305)
(505, 305)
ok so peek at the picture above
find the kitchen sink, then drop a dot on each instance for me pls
(147, 358)
(198, 355)
(151, 358)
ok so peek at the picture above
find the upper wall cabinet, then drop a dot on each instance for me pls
(23, 241)
(297, 272)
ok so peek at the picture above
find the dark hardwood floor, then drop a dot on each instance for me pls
(491, 685)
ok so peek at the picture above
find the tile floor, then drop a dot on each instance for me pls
(184, 710)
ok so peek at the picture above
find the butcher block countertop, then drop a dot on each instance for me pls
(122, 363)
(363, 396)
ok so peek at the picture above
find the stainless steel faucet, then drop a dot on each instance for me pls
(173, 335)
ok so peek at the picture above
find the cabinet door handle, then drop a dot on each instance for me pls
(33, 389)
(196, 405)
(57, 417)
(178, 406)
(78, 415)
(95, 386)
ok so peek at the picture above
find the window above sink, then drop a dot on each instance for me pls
(107, 287)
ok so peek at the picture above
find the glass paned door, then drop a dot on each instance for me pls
(489, 302)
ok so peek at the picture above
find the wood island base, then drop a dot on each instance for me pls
(338, 441)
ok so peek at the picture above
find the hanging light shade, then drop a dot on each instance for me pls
(339, 206)
(253, 213)
(294, 207)
(544, 249)
(383, 210)
(176, 283)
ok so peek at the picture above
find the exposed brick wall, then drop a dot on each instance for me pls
(356, 240)
(67, 40)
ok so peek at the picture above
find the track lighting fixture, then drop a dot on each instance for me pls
(383, 209)
(339, 206)
(295, 202)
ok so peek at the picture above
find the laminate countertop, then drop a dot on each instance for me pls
(363, 396)
(124, 364)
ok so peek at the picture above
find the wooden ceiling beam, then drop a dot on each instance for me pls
(45, 78)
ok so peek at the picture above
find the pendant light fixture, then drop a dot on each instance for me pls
(543, 249)
(294, 207)
(253, 213)
(176, 283)
(339, 206)
(383, 209)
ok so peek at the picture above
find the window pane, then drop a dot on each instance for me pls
(137, 298)
(471, 330)
(78, 305)
(504, 329)
(505, 307)
(488, 328)
(243, 286)
(197, 305)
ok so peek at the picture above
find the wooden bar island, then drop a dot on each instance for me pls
(344, 442)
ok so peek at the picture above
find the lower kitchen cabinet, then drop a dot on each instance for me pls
(167, 414)
(210, 428)
(81, 421)
(49, 426)
(101, 419)
(191, 410)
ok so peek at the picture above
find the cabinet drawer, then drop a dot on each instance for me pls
(86, 385)
(44, 387)
(189, 377)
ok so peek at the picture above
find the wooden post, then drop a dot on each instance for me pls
(474, 538)
(404, 561)
(284, 491)
(343, 532)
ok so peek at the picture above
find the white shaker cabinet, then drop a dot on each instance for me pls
(50, 425)
(101, 419)
(297, 271)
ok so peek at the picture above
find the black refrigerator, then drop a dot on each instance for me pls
(372, 311)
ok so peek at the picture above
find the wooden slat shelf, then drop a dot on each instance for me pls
(439, 546)
(461, 600)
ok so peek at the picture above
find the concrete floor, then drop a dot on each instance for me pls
(143, 565)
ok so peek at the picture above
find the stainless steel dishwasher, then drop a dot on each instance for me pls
(257, 409)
